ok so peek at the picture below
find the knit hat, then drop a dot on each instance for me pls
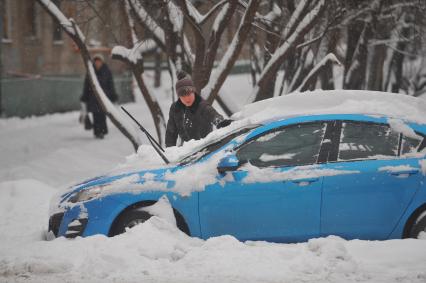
(98, 56)
(184, 84)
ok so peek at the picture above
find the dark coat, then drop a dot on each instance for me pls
(105, 80)
(193, 122)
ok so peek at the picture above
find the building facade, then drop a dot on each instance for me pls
(41, 64)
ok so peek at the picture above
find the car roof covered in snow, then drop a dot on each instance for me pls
(318, 102)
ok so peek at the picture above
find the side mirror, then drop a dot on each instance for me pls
(228, 163)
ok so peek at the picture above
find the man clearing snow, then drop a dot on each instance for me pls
(190, 117)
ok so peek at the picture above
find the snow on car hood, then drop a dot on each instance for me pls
(179, 180)
(146, 157)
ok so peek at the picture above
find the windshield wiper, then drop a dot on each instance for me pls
(153, 142)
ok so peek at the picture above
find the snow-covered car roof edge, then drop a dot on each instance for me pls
(319, 102)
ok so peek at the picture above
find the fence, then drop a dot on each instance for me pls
(24, 97)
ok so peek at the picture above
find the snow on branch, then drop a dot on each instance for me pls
(134, 54)
(197, 17)
(281, 51)
(188, 51)
(393, 7)
(219, 20)
(219, 74)
(57, 15)
(264, 22)
(175, 16)
(131, 22)
(329, 58)
(296, 15)
(189, 11)
(274, 14)
(148, 21)
(193, 12)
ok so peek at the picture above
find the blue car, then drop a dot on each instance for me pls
(286, 180)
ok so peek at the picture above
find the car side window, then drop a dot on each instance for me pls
(360, 140)
(409, 145)
(289, 146)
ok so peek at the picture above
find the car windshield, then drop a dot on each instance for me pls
(197, 155)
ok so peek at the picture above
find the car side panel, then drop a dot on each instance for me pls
(367, 205)
(418, 200)
(103, 211)
(187, 206)
(278, 211)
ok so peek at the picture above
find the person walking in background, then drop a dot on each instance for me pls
(89, 101)
(190, 117)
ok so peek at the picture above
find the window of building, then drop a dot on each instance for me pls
(57, 30)
(30, 17)
(6, 21)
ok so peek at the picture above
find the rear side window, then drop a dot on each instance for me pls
(367, 141)
(290, 146)
(409, 145)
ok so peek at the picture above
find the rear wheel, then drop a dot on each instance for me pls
(129, 219)
(419, 226)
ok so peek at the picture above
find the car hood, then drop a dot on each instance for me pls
(177, 179)
(118, 183)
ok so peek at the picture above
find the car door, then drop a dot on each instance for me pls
(274, 196)
(368, 205)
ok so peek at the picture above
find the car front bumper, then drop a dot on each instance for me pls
(85, 219)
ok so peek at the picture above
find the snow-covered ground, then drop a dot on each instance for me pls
(41, 155)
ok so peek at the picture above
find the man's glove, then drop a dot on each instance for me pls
(83, 112)
(224, 123)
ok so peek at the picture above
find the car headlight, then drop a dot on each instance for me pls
(86, 194)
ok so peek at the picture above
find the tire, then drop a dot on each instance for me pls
(418, 226)
(129, 219)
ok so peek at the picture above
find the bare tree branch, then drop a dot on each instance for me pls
(312, 76)
(148, 22)
(221, 22)
(99, 16)
(283, 51)
(134, 58)
(231, 54)
(212, 11)
(77, 36)
(200, 45)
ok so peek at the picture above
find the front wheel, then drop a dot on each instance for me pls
(419, 227)
(129, 219)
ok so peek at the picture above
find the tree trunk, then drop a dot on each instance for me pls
(157, 70)
(397, 65)
(326, 76)
(353, 32)
(375, 79)
(355, 72)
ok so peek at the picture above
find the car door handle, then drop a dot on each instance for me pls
(306, 181)
(405, 172)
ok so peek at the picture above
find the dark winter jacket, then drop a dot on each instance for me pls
(105, 80)
(193, 122)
